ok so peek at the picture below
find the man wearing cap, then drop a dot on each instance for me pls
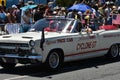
(29, 3)
(15, 13)
(119, 10)
(62, 12)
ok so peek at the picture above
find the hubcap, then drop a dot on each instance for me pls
(114, 51)
(54, 60)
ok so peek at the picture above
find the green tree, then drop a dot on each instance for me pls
(65, 3)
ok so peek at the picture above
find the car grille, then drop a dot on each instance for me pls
(14, 44)
(14, 48)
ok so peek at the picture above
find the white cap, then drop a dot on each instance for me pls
(80, 13)
(119, 8)
(14, 6)
(30, 2)
(54, 12)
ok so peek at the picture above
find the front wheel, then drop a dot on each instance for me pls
(54, 60)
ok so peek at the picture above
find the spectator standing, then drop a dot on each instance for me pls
(107, 13)
(69, 14)
(48, 11)
(56, 11)
(114, 10)
(3, 6)
(117, 3)
(38, 14)
(14, 13)
(102, 2)
(118, 10)
(18, 13)
(62, 12)
(73, 14)
(10, 16)
(26, 20)
(87, 17)
(2, 15)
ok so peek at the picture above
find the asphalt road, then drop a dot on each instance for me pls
(90, 69)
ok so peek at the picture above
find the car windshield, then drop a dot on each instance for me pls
(51, 25)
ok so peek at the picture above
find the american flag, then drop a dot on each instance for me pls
(116, 19)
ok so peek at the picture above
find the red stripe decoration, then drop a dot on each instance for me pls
(73, 54)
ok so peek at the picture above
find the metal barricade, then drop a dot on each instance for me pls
(12, 28)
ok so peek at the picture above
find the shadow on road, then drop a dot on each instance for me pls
(40, 71)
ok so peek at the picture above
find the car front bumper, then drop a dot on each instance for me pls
(13, 58)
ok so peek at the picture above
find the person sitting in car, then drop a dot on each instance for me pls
(51, 27)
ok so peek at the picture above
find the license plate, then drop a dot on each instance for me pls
(9, 60)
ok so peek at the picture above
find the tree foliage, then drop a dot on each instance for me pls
(65, 3)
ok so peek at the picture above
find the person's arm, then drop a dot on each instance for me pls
(75, 2)
(9, 18)
(45, 14)
(83, 1)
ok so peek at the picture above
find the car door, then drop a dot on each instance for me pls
(84, 45)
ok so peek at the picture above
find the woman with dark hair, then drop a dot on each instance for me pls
(10, 17)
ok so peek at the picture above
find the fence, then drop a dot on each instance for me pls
(10, 28)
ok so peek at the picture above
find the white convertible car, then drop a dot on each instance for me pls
(61, 40)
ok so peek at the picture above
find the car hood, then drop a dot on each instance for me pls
(25, 37)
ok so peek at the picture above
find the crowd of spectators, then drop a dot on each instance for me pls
(101, 14)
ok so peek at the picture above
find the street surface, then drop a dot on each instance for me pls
(91, 69)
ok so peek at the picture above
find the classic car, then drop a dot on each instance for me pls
(53, 41)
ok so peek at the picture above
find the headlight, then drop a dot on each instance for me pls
(32, 43)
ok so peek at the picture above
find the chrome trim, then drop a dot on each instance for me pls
(14, 44)
(10, 47)
(23, 57)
